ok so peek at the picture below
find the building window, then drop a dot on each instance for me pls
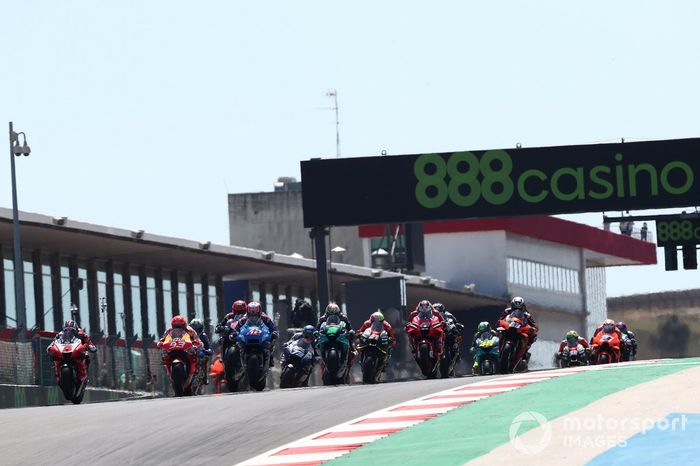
(119, 304)
(48, 296)
(10, 307)
(30, 305)
(151, 297)
(167, 301)
(65, 298)
(182, 296)
(136, 305)
(102, 296)
(213, 309)
(83, 304)
(523, 272)
(198, 311)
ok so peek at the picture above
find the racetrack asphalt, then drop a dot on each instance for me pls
(212, 430)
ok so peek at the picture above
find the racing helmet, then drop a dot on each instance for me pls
(332, 309)
(621, 326)
(484, 327)
(239, 307)
(439, 307)
(254, 309)
(517, 303)
(571, 335)
(423, 305)
(178, 322)
(376, 317)
(70, 329)
(608, 326)
(308, 333)
(197, 325)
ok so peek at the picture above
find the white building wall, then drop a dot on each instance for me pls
(468, 257)
(544, 273)
(596, 298)
(542, 251)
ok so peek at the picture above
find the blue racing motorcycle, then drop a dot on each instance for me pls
(255, 343)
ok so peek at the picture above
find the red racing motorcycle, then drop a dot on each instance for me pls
(513, 333)
(606, 348)
(427, 335)
(70, 367)
(181, 362)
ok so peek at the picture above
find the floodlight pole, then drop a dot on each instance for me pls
(20, 305)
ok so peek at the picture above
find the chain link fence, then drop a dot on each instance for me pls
(136, 367)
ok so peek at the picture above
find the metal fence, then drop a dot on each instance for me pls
(114, 366)
(138, 366)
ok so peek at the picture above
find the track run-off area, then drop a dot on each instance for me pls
(448, 421)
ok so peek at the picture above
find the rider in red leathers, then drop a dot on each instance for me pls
(519, 303)
(607, 322)
(386, 325)
(425, 306)
(571, 334)
(181, 323)
(238, 310)
(378, 316)
(70, 329)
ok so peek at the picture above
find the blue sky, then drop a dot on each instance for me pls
(145, 114)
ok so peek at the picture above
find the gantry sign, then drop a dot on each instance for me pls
(503, 182)
(495, 183)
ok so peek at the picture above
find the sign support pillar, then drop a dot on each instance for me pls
(318, 234)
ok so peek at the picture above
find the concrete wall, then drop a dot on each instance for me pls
(274, 221)
(553, 326)
(22, 396)
(468, 257)
(596, 299)
(546, 252)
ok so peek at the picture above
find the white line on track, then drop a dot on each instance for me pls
(336, 441)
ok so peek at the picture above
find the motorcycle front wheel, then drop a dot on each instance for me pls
(506, 354)
(332, 366)
(288, 378)
(66, 382)
(369, 369)
(178, 376)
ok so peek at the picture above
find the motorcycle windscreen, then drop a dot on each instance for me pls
(178, 334)
(333, 319)
(254, 320)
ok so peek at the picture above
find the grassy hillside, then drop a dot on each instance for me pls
(648, 315)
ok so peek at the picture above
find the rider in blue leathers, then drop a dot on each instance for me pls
(308, 337)
(255, 314)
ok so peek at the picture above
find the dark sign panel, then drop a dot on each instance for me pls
(494, 183)
(677, 232)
